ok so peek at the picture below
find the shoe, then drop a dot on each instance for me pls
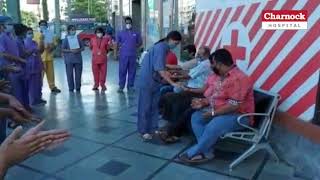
(78, 90)
(55, 90)
(71, 90)
(120, 90)
(103, 88)
(95, 89)
(43, 101)
(147, 137)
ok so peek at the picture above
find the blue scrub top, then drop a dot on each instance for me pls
(69, 57)
(153, 61)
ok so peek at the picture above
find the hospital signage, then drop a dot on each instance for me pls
(284, 19)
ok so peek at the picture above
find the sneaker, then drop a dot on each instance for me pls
(55, 90)
(95, 89)
(147, 137)
(103, 88)
(120, 90)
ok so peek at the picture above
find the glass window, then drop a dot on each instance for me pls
(152, 22)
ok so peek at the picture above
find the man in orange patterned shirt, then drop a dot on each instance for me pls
(228, 94)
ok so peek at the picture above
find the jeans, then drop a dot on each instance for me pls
(208, 131)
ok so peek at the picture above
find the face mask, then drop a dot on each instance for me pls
(128, 26)
(29, 36)
(99, 35)
(72, 33)
(172, 46)
(43, 28)
(9, 28)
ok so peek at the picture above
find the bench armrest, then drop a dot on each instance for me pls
(249, 115)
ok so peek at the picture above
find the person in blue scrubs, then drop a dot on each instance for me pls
(152, 74)
(73, 60)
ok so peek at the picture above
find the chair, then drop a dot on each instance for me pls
(257, 135)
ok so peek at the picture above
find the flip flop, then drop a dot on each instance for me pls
(196, 159)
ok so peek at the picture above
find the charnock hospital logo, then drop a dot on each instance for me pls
(284, 19)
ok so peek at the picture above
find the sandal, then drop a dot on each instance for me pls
(165, 138)
(196, 159)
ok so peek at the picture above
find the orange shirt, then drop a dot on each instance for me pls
(235, 88)
(99, 47)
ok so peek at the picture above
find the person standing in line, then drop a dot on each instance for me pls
(99, 46)
(44, 39)
(72, 48)
(128, 41)
(34, 69)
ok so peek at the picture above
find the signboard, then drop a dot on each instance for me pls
(33, 1)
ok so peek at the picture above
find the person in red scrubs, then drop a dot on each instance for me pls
(99, 46)
(172, 58)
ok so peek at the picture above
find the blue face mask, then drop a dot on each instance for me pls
(172, 46)
(43, 28)
(72, 33)
(29, 36)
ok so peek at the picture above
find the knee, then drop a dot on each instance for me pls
(196, 117)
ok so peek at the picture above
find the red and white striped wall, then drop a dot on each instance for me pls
(282, 61)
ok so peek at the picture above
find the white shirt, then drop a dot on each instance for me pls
(199, 74)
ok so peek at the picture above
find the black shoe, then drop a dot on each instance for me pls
(55, 90)
(78, 90)
(95, 89)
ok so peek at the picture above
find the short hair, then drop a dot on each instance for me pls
(29, 29)
(20, 29)
(100, 29)
(70, 27)
(222, 56)
(43, 22)
(174, 35)
(191, 48)
(128, 19)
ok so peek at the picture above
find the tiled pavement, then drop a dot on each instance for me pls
(105, 144)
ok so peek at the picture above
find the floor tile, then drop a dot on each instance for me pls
(19, 173)
(133, 166)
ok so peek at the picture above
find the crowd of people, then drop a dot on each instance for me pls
(203, 96)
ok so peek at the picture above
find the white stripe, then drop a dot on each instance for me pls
(227, 22)
(257, 15)
(266, 48)
(206, 28)
(214, 29)
(297, 66)
(286, 50)
(200, 24)
(308, 114)
(310, 83)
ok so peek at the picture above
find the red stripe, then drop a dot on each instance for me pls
(301, 76)
(250, 13)
(198, 20)
(297, 51)
(304, 103)
(267, 35)
(219, 29)
(257, 25)
(203, 27)
(237, 14)
(212, 23)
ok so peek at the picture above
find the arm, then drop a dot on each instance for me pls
(173, 67)
(12, 58)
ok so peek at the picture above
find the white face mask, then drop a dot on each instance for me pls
(128, 26)
(99, 35)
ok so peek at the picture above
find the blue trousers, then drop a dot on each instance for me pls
(74, 72)
(148, 112)
(127, 66)
(208, 131)
(35, 88)
(19, 88)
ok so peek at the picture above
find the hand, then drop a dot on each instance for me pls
(14, 149)
(196, 103)
(11, 68)
(15, 104)
(207, 115)
(21, 60)
(4, 85)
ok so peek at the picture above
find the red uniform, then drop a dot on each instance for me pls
(99, 47)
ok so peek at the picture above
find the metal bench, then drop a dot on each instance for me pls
(257, 135)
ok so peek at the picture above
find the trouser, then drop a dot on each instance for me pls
(49, 72)
(208, 131)
(74, 72)
(165, 89)
(127, 66)
(99, 74)
(182, 125)
(19, 88)
(35, 88)
(148, 113)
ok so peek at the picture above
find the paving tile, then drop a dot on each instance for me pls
(72, 151)
(181, 172)
(19, 173)
(131, 165)
(135, 143)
